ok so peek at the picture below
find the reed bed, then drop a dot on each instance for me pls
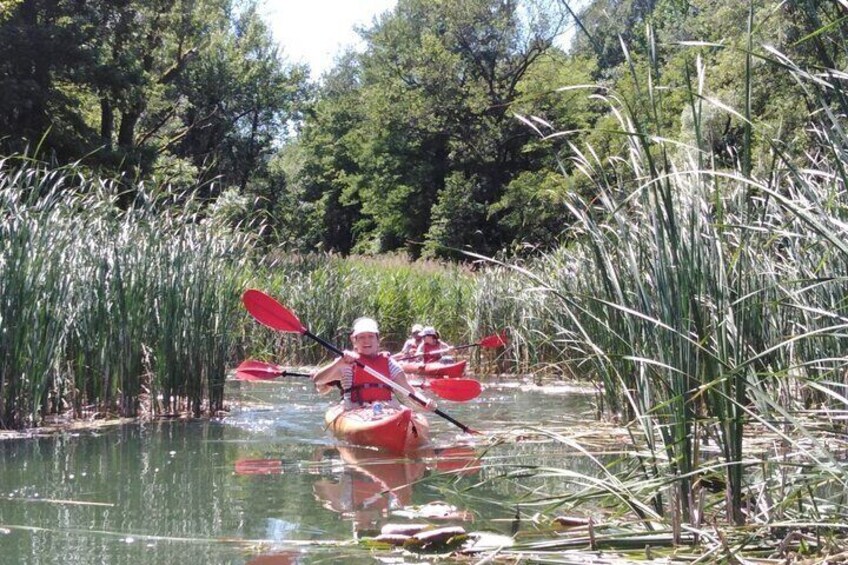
(105, 308)
(108, 309)
(709, 305)
(328, 292)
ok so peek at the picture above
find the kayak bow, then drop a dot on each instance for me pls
(398, 430)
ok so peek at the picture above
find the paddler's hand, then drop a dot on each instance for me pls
(349, 357)
(430, 405)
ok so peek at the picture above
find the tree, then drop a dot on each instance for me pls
(325, 165)
(46, 49)
(239, 99)
(437, 84)
(191, 93)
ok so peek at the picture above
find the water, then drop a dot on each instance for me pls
(263, 485)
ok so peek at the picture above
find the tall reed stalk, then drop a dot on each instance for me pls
(707, 299)
(103, 308)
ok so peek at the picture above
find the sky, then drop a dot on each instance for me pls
(315, 31)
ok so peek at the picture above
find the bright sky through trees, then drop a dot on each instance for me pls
(315, 31)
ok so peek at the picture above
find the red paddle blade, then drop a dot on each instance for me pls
(458, 390)
(271, 313)
(258, 371)
(248, 376)
(496, 340)
(260, 367)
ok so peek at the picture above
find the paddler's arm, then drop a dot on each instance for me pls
(329, 376)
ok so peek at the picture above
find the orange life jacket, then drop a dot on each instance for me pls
(366, 388)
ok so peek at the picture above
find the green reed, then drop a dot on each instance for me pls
(33, 295)
(328, 292)
(105, 308)
(706, 300)
(115, 309)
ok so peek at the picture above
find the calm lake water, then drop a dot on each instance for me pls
(265, 485)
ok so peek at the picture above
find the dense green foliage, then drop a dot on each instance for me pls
(114, 309)
(448, 132)
(192, 93)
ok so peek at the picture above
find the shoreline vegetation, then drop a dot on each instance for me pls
(704, 294)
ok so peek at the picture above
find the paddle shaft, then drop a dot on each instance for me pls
(385, 380)
(292, 374)
(272, 375)
(460, 390)
(265, 371)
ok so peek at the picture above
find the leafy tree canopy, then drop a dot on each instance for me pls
(458, 126)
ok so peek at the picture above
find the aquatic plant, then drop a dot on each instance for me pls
(105, 307)
(707, 301)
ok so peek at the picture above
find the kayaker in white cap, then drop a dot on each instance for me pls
(358, 386)
(410, 346)
(431, 348)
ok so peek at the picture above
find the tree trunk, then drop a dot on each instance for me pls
(126, 133)
(107, 122)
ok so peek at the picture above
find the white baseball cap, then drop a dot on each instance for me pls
(429, 330)
(364, 325)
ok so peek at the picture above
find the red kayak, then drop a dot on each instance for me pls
(435, 369)
(398, 430)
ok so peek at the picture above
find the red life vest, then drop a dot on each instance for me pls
(426, 348)
(366, 388)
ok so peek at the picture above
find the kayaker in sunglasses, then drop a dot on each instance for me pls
(358, 386)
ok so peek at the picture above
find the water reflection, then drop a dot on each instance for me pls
(280, 558)
(154, 493)
(369, 486)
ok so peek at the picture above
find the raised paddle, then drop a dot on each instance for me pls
(499, 339)
(458, 390)
(271, 313)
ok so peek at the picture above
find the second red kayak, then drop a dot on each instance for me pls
(398, 430)
(448, 370)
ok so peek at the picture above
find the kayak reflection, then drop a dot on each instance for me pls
(371, 485)
(370, 488)
(374, 486)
